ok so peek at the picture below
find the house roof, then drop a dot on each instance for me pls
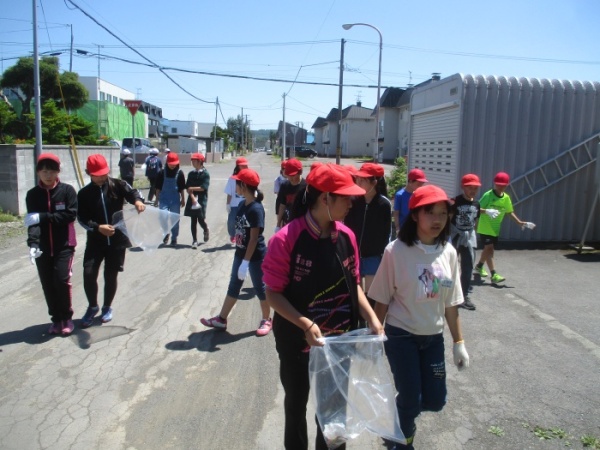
(333, 114)
(390, 97)
(319, 123)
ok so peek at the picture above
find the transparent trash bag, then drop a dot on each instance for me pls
(352, 388)
(147, 229)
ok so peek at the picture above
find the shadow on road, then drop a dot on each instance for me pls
(584, 257)
(208, 340)
(85, 338)
(35, 334)
(218, 249)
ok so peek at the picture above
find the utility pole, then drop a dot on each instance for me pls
(71, 59)
(242, 130)
(338, 149)
(283, 136)
(214, 149)
(36, 87)
(247, 132)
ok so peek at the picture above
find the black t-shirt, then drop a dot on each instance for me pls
(248, 217)
(465, 213)
(287, 194)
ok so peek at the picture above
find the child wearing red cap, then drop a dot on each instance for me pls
(170, 186)
(496, 204)
(50, 219)
(417, 288)
(370, 218)
(465, 212)
(249, 252)
(313, 283)
(233, 198)
(288, 190)
(197, 185)
(415, 179)
(98, 201)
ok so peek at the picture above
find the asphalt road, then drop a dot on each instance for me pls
(155, 378)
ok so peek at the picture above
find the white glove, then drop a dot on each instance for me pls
(493, 213)
(276, 229)
(461, 357)
(528, 226)
(32, 219)
(34, 253)
(228, 208)
(243, 270)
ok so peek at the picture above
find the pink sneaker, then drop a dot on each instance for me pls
(55, 328)
(67, 327)
(265, 327)
(214, 322)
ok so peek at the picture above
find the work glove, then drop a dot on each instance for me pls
(34, 253)
(228, 208)
(528, 226)
(276, 229)
(32, 219)
(493, 213)
(461, 357)
(243, 270)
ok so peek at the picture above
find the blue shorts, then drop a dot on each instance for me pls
(369, 266)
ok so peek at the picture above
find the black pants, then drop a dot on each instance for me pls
(55, 275)
(466, 268)
(113, 258)
(152, 191)
(195, 220)
(293, 372)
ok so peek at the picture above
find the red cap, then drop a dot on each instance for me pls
(292, 167)
(470, 179)
(333, 179)
(172, 158)
(241, 161)
(96, 165)
(502, 179)
(49, 156)
(368, 170)
(248, 176)
(198, 156)
(417, 175)
(352, 170)
(427, 195)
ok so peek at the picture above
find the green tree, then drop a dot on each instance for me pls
(8, 118)
(55, 129)
(397, 178)
(235, 127)
(19, 79)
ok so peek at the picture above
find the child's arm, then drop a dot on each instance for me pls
(368, 314)
(518, 221)
(381, 311)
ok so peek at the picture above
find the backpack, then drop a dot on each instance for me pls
(152, 167)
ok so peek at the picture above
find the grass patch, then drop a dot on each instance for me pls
(7, 217)
(590, 442)
(496, 431)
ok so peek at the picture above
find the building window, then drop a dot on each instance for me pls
(173, 130)
(102, 96)
(109, 98)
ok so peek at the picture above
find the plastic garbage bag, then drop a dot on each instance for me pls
(352, 388)
(147, 229)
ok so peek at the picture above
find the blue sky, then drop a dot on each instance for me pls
(301, 40)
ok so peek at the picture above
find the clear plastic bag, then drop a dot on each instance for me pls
(353, 389)
(147, 229)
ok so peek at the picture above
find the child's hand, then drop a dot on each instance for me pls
(528, 226)
(493, 213)
(461, 357)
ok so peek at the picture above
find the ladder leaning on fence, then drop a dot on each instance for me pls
(554, 170)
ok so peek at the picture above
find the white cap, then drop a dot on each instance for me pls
(126, 151)
(167, 150)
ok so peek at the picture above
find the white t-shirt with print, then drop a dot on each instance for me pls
(417, 283)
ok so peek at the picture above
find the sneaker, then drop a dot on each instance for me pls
(196, 206)
(194, 245)
(232, 240)
(106, 314)
(67, 327)
(481, 271)
(496, 278)
(206, 235)
(214, 322)
(88, 317)
(467, 304)
(55, 328)
(166, 239)
(173, 242)
(265, 327)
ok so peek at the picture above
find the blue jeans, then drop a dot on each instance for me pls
(231, 222)
(419, 371)
(256, 274)
(173, 205)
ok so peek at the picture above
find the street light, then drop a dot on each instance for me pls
(347, 26)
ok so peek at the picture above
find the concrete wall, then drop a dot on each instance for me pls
(17, 171)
